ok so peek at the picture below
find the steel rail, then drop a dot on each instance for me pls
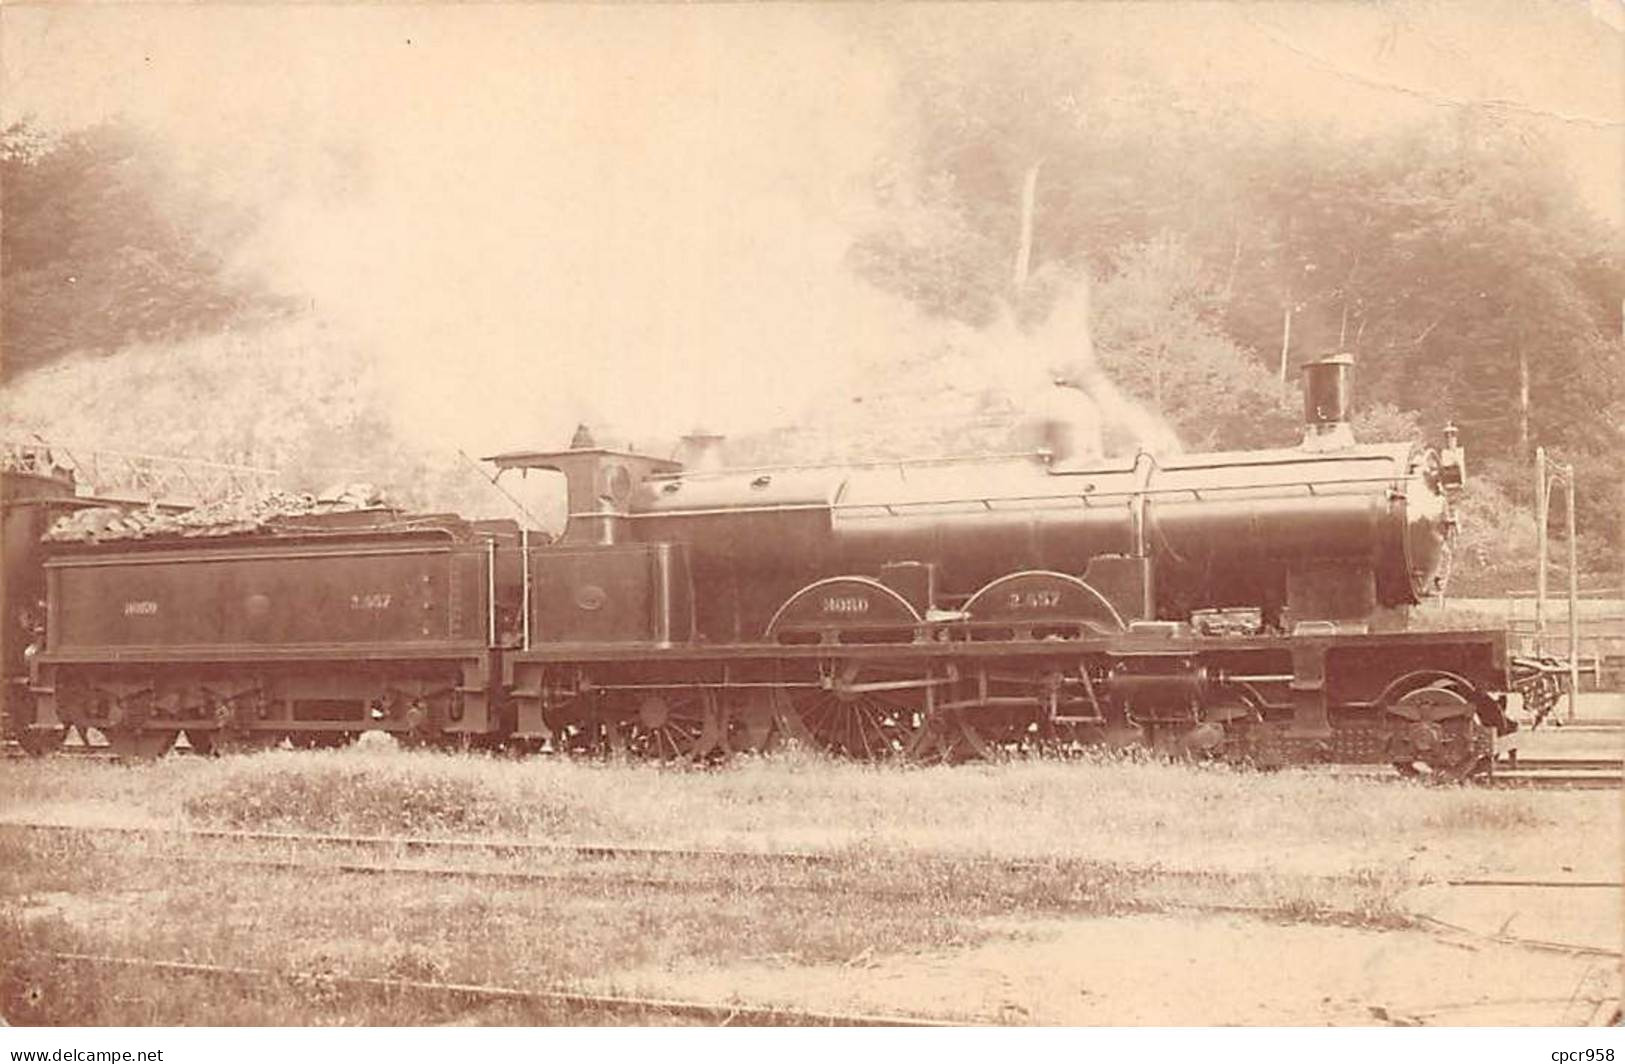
(1542, 945)
(1559, 764)
(611, 851)
(1612, 884)
(1545, 780)
(510, 847)
(721, 1013)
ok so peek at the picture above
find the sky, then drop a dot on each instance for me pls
(529, 216)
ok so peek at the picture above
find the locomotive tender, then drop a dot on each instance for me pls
(1249, 605)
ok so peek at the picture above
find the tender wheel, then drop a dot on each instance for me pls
(872, 711)
(134, 743)
(39, 742)
(240, 741)
(20, 712)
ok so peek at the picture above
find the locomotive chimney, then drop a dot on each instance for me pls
(1326, 403)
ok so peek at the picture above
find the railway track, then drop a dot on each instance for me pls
(1553, 773)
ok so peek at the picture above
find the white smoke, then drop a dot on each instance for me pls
(520, 217)
(1052, 372)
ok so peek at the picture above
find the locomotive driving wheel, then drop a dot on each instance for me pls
(868, 710)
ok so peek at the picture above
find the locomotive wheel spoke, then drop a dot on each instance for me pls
(871, 725)
(673, 726)
(135, 743)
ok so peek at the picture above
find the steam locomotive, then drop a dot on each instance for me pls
(1247, 605)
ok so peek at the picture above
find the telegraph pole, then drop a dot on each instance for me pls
(1540, 551)
(1545, 473)
(1574, 599)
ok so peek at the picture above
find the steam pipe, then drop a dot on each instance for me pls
(491, 592)
(524, 585)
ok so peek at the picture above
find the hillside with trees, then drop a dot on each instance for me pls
(1449, 256)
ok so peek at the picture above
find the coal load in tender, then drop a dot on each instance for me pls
(224, 517)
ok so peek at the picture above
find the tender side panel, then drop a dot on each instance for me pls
(278, 597)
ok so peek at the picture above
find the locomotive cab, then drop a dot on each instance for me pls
(599, 584)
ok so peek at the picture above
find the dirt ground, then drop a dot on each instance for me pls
(1177, 970)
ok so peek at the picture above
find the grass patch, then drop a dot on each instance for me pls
(1129, 811)
(385, 795)
(1482, 811)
